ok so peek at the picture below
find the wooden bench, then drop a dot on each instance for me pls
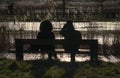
(19, 45)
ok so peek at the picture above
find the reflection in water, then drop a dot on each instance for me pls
(65, 57)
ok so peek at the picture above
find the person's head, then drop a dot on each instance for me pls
(46, 26)
(69, 24)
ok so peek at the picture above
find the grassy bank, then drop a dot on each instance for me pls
(56, 69)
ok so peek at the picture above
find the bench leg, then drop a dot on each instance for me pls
(94, 53)
(52, 54)
(19, 56)
(72, 57)
(19, 50)
(49, 56)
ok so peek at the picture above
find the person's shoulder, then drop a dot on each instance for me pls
(52, 33)
(76, 31)
(39, 33)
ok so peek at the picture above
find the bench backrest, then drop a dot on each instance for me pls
(48, 42)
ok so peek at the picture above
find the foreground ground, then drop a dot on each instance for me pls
(56, 69)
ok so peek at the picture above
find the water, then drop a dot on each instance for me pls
(65, 57)
(105, 32)
(82, 26)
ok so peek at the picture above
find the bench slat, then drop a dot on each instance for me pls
(80, 52)
(49, 42)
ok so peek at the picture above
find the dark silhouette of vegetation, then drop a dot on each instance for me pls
(56, 69)
(115, 47)
(3, 41)
(15, 69)
(11, 8)
(60, 10)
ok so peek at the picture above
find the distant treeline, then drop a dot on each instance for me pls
(60, 10)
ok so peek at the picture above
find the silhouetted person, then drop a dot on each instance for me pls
(46, 34)
(71, 35)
